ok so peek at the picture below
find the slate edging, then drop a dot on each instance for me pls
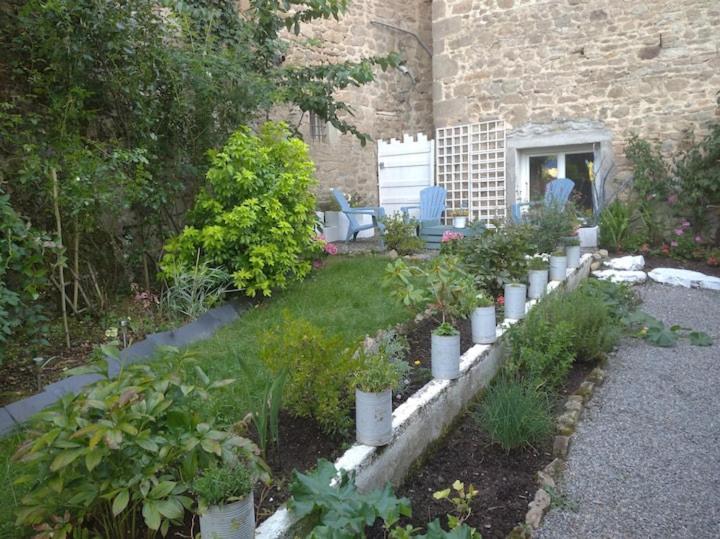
(16, 413)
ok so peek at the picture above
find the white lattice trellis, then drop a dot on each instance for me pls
(470, 165)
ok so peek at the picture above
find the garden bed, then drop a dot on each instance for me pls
(506, 481)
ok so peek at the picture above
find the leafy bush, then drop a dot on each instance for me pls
(125, 450)
(193, 291)
(22, 275)
(495, 257)
(220, 485)
(620, 299)
(550, 223)
(382, 364)
(256, 215)
(515, 413)
(595, 332)
(400, 235)
(443, 284)
(541, 351)
(318, 368)
(615, 226)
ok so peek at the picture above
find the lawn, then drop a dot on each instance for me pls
(345, 298)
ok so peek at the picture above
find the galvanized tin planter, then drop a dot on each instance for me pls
(572, 252)
(484, 325)
(558, 268)
(373, 417)
(234, 520)
(445, 354)
(515, 294)
(538, 280)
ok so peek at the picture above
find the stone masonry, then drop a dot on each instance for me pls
(394, 104)
(650, 67)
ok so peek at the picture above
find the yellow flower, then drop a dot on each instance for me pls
(417, 362)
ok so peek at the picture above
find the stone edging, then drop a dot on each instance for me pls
(18, 412)
(548, 476)
(421, 419)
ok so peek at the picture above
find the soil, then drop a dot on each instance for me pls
(654, 261)
(505, 481)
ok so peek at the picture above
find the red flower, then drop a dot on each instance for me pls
(713, 261)
(501, 300)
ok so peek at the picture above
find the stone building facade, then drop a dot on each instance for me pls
(565, 76)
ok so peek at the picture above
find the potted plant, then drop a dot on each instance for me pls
(558, 265)
(483, 320)
(377, 376)
(572, 251)
(537, 275)
(449, 292)
(225, 501)
(459, 217)
(515, 294)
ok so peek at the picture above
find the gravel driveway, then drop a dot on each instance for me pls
(645, 460)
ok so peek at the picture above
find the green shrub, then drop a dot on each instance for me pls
(495, 257)
(319, 368)
(620, 299)
(594, 330)
(549, 224)
(124, 450)
(220, 485)
(192, 291)
(256, 215)
(515, 413)
(615, 233)
(400, 235)
(541, 351)
(382, 364)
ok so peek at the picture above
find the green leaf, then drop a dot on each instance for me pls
(93, 458)
(151, 515)
(66, 457)
(120, 502)
(162, 489)
(170, 508)
(662, 337)
(700, 338)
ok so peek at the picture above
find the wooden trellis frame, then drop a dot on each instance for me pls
(470, 165)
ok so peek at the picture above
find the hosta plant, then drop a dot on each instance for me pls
(123, 452)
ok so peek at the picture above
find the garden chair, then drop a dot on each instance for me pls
(432, 205)
(557, 193)
(354, 227)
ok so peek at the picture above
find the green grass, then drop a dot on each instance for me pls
(345, 298)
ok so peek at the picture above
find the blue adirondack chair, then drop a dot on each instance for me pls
(557, 193)
(351, 213)
(432, 205)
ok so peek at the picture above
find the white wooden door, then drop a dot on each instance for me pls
(404, 169)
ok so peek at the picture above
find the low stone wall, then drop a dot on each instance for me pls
(422, 419)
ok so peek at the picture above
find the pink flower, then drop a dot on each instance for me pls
(698, 239)
(330, 249)
(679, 231)
(673, 243)
(449, 235)
(685, 224)
(500, 300)
(317, 264)
(672, 199)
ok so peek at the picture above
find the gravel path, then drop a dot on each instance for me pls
(645, 460)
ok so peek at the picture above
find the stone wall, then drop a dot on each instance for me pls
(394, 104)
(650, 67)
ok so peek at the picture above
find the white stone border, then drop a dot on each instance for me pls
(422, 419)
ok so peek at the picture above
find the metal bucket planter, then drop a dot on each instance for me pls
(445, 355)
(483, 325)
(538, 280)
(572, 252)
(234, 520)
(515, 301)
(460, 222)
(373, 417)
(558, 268)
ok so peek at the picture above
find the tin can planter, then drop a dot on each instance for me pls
(445, 356)
(538, 280)
(234, 520)
(558, 268)
(484, 325)
(373, 417)
(460, 222)
(572, 252)
(515, 294)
